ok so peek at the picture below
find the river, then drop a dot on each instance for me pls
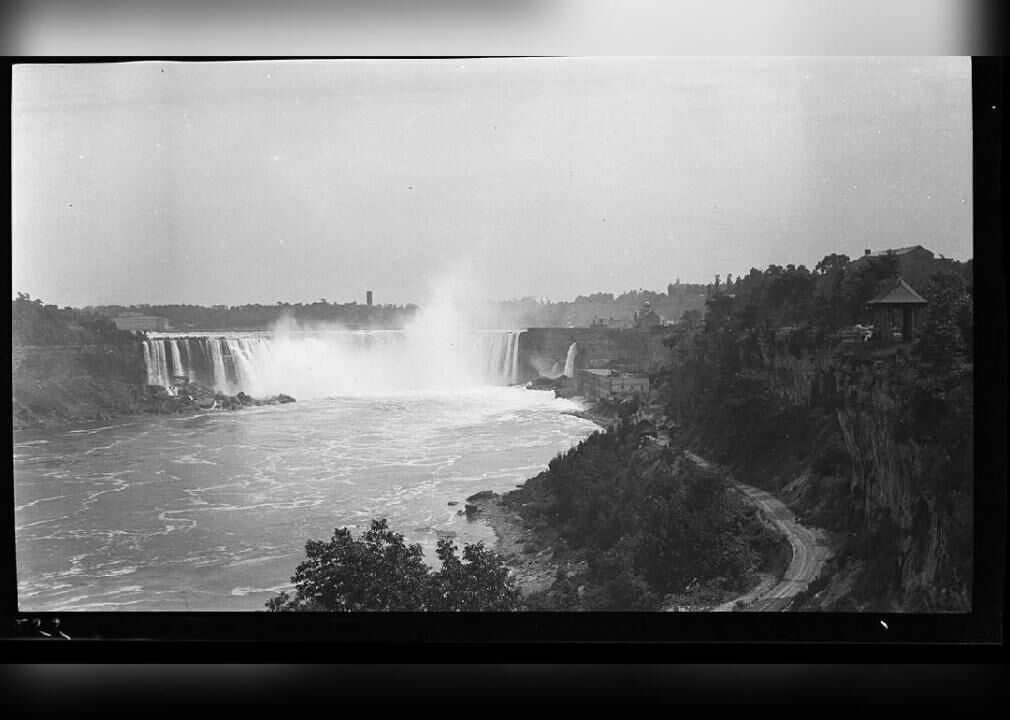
(212, 511)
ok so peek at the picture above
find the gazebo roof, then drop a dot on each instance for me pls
(897, 293)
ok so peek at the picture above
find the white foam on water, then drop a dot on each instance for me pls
(243, 591)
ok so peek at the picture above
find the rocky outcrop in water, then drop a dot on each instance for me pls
(195, 396)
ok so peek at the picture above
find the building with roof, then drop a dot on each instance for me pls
(897, 311)
(597, 384)
(915, 263)
(140, 323)
(648, 317)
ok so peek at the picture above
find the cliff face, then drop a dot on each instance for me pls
(913, 492)
(58, 385)
(874, 446)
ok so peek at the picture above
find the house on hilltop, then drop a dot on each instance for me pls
(916, 264)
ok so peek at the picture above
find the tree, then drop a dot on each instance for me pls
(478, 583)
(832, 265)
(949, 317)
(381, 572)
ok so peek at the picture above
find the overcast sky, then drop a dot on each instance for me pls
(162, 182)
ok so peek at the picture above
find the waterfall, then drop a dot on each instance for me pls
(157, 363)
(570, 361)
(177, 366)
(151, 378)
(220, 379)
(513, 376)
(320, 364)
(509, 355)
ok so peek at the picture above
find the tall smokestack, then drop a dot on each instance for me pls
(368, 298)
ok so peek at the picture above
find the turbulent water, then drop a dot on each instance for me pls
(212, 512)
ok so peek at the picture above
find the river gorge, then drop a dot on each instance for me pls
(211, 511)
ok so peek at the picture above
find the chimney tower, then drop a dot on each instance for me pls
(368, 298)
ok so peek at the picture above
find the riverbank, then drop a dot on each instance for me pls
(531, 563)
(558, 561)
(534, 552)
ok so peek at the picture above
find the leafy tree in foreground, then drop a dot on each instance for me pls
(380, 572)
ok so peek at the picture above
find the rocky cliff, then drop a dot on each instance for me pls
(875, 445)
(55, 385)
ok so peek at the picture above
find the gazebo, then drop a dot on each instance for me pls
(897, 311)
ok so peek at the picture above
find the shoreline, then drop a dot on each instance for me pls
(603, 420)
(531, 553)
(530, 563)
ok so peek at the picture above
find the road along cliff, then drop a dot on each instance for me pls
(809, 547)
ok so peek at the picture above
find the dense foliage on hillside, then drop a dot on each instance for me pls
(34, 323)
(873, 442)
(649, 522)
(822, 301)
(380, 571)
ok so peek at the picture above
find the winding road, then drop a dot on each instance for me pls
(809, 547)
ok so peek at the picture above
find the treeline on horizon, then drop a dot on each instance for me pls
(34, 323)
(524, 312)
(262, 317)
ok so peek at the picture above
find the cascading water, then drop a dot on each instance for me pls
(570, 361)
(157, 363)
(217, 357)
(319, 364)
(177, 366)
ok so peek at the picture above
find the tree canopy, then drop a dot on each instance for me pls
(35, 323)
(379, 571)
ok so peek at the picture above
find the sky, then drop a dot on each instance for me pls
(265, 181)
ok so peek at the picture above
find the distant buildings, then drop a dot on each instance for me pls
(648, 317)
(140, 323)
